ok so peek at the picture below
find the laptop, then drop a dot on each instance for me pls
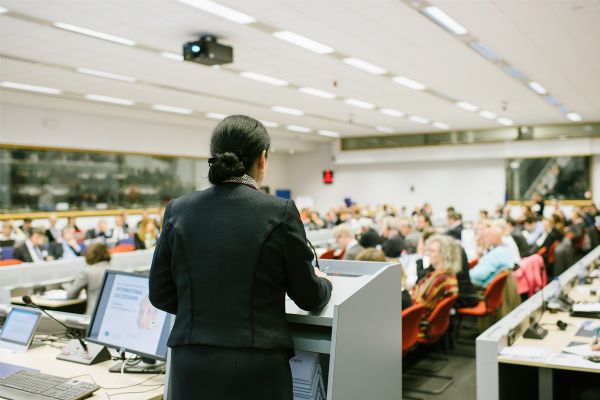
(19, 328)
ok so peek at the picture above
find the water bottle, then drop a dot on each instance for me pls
(582, 274)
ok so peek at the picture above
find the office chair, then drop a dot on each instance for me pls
(332, 254)
(411, 320)
(122, 248)
(436, 326)
(10, 261)
(473, 262)
(488, 304)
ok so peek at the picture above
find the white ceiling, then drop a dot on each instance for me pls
(555, 43)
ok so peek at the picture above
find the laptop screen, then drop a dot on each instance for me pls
(19, 326)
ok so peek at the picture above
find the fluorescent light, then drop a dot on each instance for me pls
(391, 112)
(444, 19)
(103, 74)
(172, 109)
(317, 92)
(108, 99)
(365, 66)
(441, 125)
(31, 88)
(303, 41)
(298, 128)
(269, 124)
(466, 106)
(537, 87)
(505, 121)
(409, 83)
(172, 56)
(219, 10)
(96, 34)
(264, 78)
(484, 51)
(360, 104)
(287, 110)
(325, 132)
(3, 10)
(515, 73)
(488, 114)
(419, 120)
(384, 129)
(552, 100)
(572, 116)
(212, 115)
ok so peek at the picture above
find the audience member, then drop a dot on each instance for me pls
(533, 229)
(369, 236)
(101, 231)
(517, 235)
(53, 233)
(393, 245)
(32, 250)
(371, 254)
(67, 247)
(344, 237)
(507, 240)
(497, 258)
(411, 238)
(455, 225)
(72, 222)
(121, 229)
(90, 278)
(27, 226)
(444, 256)
(549, 235)
(423, 221)
(145, 237)
(11, 233)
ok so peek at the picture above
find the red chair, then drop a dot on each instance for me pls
(438, 321)
(10, 261)
(489, 303)
(473, 262)
(411, 320)
(122, 248)
(332, 254)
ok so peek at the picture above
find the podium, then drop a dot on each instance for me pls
(358, 335)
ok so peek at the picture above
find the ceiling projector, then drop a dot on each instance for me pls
(207, 51)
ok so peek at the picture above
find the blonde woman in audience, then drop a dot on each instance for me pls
(145, 237)
(445, 257)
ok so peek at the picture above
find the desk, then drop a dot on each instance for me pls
(44, 359)
(554, 342)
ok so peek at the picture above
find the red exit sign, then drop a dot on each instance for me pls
(328, 176)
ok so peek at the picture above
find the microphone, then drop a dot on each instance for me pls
(27, 300)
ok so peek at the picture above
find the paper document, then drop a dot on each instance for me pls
(583, 350)
(586, 307)
(56, 294)
(526, 352)
(571, 360)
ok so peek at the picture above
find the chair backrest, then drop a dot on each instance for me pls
(7, 252)
(493, 293)
(439, 319)
(551, 251)
(411, 318)
(10, 261)
(473, 262)
(122, 248)
(328, 255)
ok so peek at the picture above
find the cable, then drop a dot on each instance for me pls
(315, 253)
(121, 387)
(140, 391)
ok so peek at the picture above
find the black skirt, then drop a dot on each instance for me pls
(218, 373)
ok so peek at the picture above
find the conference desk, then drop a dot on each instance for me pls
(43, 358)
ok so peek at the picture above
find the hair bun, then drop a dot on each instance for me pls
(224, 166)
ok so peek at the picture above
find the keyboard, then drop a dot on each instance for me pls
(31, 385)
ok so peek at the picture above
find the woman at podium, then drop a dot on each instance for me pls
(223, 263)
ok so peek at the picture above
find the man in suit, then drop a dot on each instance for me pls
(394, 244)
(101, 231)
(344, 237)
(53, 233)
(67, 247)
(455, 225)
(31, 250)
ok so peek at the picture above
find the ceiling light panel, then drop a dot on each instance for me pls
(328, 133)
(109, 99)
(287, 110)
(298, 128)
(505, 121)
(96, 34)
(418, 119)
(409, 83)
(108, 75)
(391, 112)
(172, 56)
(537, 88)
(30, 88)
(360, 104)
(316, 92)
(574, 117)
(264, 78)
(171, 109)
(384, 129)
(269, 124)
(444, 20)
(466, 106)
(364, 65)
(303, 42)
(220, 10)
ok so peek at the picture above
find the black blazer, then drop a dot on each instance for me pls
(456, 232)
(223, 263)
(22, 253)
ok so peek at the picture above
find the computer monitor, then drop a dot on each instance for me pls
(124, 319)
(19, 328)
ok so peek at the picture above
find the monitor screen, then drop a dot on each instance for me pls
(19, 326)
(125, 319)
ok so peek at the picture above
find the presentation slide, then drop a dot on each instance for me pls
(130, 321)
(19, 326)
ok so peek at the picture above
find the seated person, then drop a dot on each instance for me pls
(53, 233)
(121, 230)
(67, 247)
(33, 248)
(549, 235)
(508, 241)
(11, 233)
(496, 259)
(145, 237)
(455, 225)
(533, 229)
(393, 244)
(344, 237)
(90, 278)
(444, 256)
(410, 236)
(517, 235)
(100, 232)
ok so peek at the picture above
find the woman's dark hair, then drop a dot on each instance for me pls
(236, 142)
(96, 253)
